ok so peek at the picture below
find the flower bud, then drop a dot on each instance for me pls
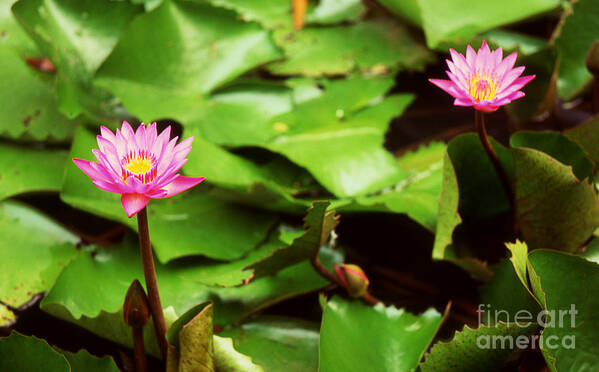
(136, 309)
(353, 278)
(592, 61)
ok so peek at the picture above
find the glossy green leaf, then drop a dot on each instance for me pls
(29, 103)
(522, 43)
(278, 344)
(458, 20)
(334, 11)
(355, 336)
(77, 35)
(376, 48)
(82, 361)
(24, 169)
(554, 209)
(345, 156)
(269, 13)
(577, 31)
(13, 35)
(201, 224)
(33, 251)
(227, 359)
(480, 349)
(195, 349)
(77, 297)
(318, 223)
(7, 317)
(22, 353)
(586, 136)
(201, 47)
(417, 195)
(570, 341)
(559, 147)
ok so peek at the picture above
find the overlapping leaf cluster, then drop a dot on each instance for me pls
(282, 119)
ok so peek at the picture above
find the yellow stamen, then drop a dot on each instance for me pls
(482, 87)
(138, 164)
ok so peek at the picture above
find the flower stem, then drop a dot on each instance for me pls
(479, 120)
(141, 362)
(150, 274)
(325, 273)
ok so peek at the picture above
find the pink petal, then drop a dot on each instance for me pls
(447, 85)
(140, 136)
(107, 186)
(181, 184)
(129, 136)
(505, 65)
(107, 164)
(516, 85)
(167, 156)
(133, 203)
(509, 78)
(470, 56)
(459, 60)
(463, 102)
(485, 106)
(161, 143)
(151, 135)
(107, 133)
(88, 169)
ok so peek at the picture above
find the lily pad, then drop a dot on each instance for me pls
(24, 169)
(77, 36)
(377, 47)
(22, 353)
(33, 251)
(355, 336)
(201, 46)
(278, 344)
(481, 349)
(29, 102)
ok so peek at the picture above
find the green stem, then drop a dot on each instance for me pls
(150, 274)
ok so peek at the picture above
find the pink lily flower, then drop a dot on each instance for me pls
(139, 165)
(483, 79)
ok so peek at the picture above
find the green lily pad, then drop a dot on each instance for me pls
(417, 195)
(7, 317)
(278, 344)
(29, 107)
(33, 251)
(201, 46)
(377, 47)
(554, 208)
(270, 14)
(334, 11)
(13, 35)
(561, 148)
(206, 226)
(460, 20)
(586, 136)
(22, 353)
(355, 336)
(77, 36)
(570, 340)
(481, 349)
(227, 359)
(577, 31)
(24, 169)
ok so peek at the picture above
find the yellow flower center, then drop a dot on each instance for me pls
(140, 165)
(482, 87)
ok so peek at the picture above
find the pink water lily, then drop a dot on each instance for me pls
(139, 165)
(483, 79)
